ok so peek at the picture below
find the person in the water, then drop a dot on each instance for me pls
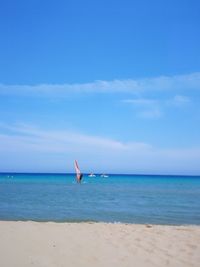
(79, 177)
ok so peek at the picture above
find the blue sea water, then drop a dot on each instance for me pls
(118, 198)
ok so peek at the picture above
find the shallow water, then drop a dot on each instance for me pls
(118, 198)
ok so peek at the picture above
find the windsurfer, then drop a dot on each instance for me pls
(79, 175)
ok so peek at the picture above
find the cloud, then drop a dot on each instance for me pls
(133, 86)
(145, 108)
(153, 113)
(61, 141)
(179, 100)
(154, 108)
(141, 101)
(150, 97)
(29, 148)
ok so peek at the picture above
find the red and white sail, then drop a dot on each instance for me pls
(77, 167)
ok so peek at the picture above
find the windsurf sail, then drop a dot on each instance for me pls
(79, 175)
(78, 172)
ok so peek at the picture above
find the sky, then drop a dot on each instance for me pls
(113, 84)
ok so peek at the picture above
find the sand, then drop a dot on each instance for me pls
(24, 244)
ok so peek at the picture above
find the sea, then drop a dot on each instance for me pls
(140, 199)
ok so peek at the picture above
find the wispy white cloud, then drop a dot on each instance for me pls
(179, 100)
(135, 86)
(32, 146)
(153, 113)
(139, 92)
(155, 108)
(141, 101)
(63, 140)
(146, 108)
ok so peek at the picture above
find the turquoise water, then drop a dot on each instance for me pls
(119, 198)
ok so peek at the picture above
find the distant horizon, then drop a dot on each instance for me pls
(96, 173)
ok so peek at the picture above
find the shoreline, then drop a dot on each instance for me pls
(29, 243)
(101, 222)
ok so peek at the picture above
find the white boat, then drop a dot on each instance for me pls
(91, 175)
(104, 176)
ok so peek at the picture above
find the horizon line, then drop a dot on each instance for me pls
(87, 173)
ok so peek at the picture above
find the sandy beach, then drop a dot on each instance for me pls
(24, 244)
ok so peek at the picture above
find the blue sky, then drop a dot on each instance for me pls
(114, 84)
